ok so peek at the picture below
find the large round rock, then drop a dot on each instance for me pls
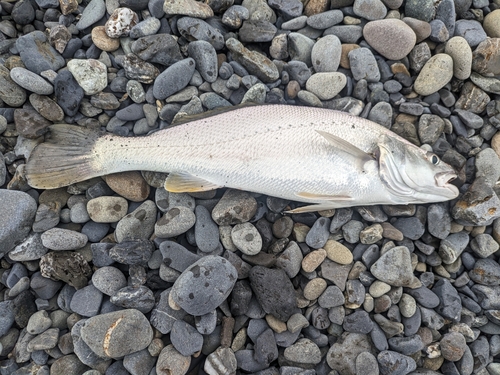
(203, 286)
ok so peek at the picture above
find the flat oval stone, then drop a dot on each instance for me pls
(176, 220)
(48, 108)
(204, 285)
(116, 334)
(246, 238)
(392, 38)
(435, 74)
(31, 81)
(205, 56)
(107, 209)
(190, 8)
(174, 78)
(37, 54)
(63, 239)
(461, 54)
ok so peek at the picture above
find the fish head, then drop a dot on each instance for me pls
(414, 175)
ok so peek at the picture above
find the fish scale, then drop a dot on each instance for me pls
(307, 154)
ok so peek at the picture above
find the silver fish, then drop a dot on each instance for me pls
(326, 158)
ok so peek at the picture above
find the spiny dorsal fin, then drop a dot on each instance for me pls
(187, 183)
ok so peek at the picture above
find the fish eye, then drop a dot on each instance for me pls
(434, 159)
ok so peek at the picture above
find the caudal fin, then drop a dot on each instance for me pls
(66, 157)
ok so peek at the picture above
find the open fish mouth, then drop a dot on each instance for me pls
(444, 180)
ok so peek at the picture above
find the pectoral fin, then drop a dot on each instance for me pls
(187, 183)
(345, 146)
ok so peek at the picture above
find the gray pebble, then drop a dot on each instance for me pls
(86, 301)
(364, 65)
(358, 322)
(257, 31)
(206, 231)
(30, 249)
(235, 207)
(177, 256)
(174, 78)
(176, 220)
(134, 297)
(438, 220)
(63, 239)
(391, 362)
(406, 345)
(139, 224)
(204, 285)
(346, 33)
(486, 272)
(93, 12)
(109, 280)
(484, 245)
(193, 28)
(235, 15)
(185, 338)
(411, 227)
(366, 364)
(300, 48)
(394, 267)
(304, 351)
(471, 31)
(351, 230)
(140, 362)
(124, 323)
(205, 57)
(31, 81)
(144, 28)
(370, 9)
(318, 235)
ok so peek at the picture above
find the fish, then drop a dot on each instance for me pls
(325, 158)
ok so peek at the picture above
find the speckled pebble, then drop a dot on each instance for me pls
(246, 238)
(107, 209)
(63, 239)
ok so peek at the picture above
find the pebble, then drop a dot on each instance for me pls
(107, 209)
(274, 291)
(103, 333)
(121, 22)
(130, 185)
(149, 26)
(337, 252)
(68, 93)
(185, 338)
(491, 22)
(379, 34)
(63, 239)
(246, 238)
(326, 53)
(342, 354)
(11, 93)
(31, 81)
(195, 291)
(254, 62)
(90, 74)
(452, 346)
(394, 267)
(435, 74)
(176, 220)
(174, 78)
(304, 351)
(190, 8)
(37, 54)
(461, 54)
(109, 280)
(137, 69)
(319, 233)
(103, 41)
(363, 65)
(93, 12)
(326, 85)
(471, 31)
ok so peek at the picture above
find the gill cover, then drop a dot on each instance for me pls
(413, 175)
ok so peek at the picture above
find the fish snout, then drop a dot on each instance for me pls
(444, 179)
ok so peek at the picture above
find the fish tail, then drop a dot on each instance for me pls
(67, 156)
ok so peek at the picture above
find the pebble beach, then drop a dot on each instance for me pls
(117, 276)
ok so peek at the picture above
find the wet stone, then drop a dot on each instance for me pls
(486, 272)
(204, 285)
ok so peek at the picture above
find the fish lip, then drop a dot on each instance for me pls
(444, 180)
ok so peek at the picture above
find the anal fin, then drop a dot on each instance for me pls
(187, 183)
(311, 208)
